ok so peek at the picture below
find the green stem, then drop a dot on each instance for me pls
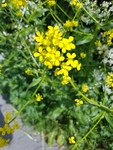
(90, 15)
(26, 21)
(53, 16)
(106, 109)
(76, 13)
(63, 11)
(56, 18)
(44, 2)
(31, 54)
(39, 85)
(28, 102)
(105, 100)
(103, 114)
(79, 32)
(97, 29)
(86, 98)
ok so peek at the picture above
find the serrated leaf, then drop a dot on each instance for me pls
(61, 140)
(51, 137)
(84, 39)
(34, 82)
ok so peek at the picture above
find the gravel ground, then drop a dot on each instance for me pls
(24, 138)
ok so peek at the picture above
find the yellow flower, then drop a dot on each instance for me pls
(66, 80)
(83, 55)
(64, 69)
(3, 142)
(71, 56)
(76, 3)
(70, 24)
(71, 140)
(98, 43)
(52, 57)
(72, 62)
(84, 88)
(109, 35)
(78, 102)
(74, 23)
(39, 97)
(18, 13)
(51, 2)
(39, 38)
(5, 129)
(67, 24)
(78, 67)
(19, 3)
(79, 5)
(109, 80)
(53, 36)
(28, 72)
(7, 117)
(15, 126)
(66, 44)
(4, 5)
(50, 50)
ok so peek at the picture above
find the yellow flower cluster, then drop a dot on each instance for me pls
(109, 35)
(76, 3)
(19, 3)
(71, 140)
(3, 142)
(51, 2)
(67, 66)
(109, 80)
(6, 129)
(39, 97)
(78, 102)
(52, 51)
(47, 47)
(84, 88)
(70, 24)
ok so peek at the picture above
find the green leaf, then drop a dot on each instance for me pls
(84, 39)
(2, 38)
(34, 82)
(94, 111)
(51, 137)
(61, 139)
(72, 127)
(107, 26)
(54, 114)
(96, 117)
(109, 119)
